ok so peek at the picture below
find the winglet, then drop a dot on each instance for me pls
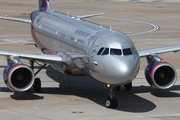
(44, 5)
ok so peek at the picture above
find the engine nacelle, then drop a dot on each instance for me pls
(18, 77)
(160, 75)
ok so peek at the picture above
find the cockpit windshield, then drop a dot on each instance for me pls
(100, 51)
(106, 51)
(115, 51)
(127, 51)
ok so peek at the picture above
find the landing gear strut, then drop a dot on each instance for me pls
(110, 101)
(37, 81)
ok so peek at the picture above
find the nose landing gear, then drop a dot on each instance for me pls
(110, 101)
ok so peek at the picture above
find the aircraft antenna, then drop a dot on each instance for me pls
(68, 13)
(111, 28)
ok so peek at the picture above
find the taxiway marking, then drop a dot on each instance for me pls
(16, 41)
(154, 26)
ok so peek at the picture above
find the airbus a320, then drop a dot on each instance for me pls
(77, 47)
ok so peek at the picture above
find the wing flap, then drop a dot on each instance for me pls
(148, 52)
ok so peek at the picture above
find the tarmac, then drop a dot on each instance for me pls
(82, 98)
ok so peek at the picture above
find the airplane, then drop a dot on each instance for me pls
(77, 47)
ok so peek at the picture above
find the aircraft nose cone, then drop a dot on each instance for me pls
(126, 69)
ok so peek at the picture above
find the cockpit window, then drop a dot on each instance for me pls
(115, 51)
(106, 51)
(100, 51)
(127, 51)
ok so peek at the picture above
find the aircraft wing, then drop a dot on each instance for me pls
(148, 52)
(51, 59)
(87, 16)
(29, 21)
(16, 19)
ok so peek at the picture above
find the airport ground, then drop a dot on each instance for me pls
(81, 97)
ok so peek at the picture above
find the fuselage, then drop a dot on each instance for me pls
(109, 56)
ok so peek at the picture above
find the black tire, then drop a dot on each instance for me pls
(115, 103)
(109, 103)
(128, 87)
(37, 85)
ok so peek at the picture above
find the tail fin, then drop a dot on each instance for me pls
(44, 5)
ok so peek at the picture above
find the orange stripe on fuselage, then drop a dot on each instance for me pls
(74, 72)
(37, 39)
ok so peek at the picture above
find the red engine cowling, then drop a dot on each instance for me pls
(18, 77)
(160, 75)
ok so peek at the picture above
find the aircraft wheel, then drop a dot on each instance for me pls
(111, 103)
(128, 87)
(37, 85)
(115, 103)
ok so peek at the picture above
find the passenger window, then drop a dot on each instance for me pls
(115, 52)
(106, 51)
(100, 51)
(127, 51)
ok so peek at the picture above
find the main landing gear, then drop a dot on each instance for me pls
(37, 81)
(112, 102)
(37, 85)
(128, 86)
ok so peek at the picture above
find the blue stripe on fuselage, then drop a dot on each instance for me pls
(43, 5)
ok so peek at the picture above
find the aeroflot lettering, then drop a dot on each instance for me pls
(82, 33)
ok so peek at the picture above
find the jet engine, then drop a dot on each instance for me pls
(18, 77)
(160, 74)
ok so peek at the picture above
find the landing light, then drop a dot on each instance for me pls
(108, 85)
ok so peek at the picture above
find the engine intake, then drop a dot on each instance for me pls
(18, 77)
(160, 75)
